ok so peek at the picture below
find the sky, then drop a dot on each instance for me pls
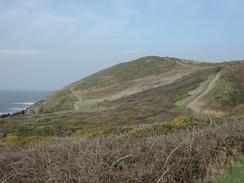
(47, 44)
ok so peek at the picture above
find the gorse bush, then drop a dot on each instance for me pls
(24, 140)
(181, 121)
(158, 129)
(95, 132)
(177, 124)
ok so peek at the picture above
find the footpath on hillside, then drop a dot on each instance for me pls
(76, 104)
(196, 104)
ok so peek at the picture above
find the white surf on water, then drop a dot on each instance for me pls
(16, 101)
(24, 103)
(20, 106)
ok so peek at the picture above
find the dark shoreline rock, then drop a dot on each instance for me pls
(14, 114)
(5, 115)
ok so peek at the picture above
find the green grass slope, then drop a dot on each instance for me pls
(234, 174)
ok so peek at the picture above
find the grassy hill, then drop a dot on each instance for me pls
(155, 119)
(119, 81)
(104, 90)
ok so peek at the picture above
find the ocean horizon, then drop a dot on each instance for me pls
(12, 101)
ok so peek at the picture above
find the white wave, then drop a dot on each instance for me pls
(16, 109)
(24, 103)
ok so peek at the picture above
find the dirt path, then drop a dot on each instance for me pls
(76, 104)
(196, 105)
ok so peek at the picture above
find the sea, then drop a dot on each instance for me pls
(12, 101)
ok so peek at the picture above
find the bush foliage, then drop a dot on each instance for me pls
(24, 140)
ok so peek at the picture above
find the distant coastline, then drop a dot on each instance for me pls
(14, 101)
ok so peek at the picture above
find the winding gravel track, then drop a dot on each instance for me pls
(195, 105)
(76, 104)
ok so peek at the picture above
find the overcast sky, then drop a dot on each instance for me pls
(46, 44)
